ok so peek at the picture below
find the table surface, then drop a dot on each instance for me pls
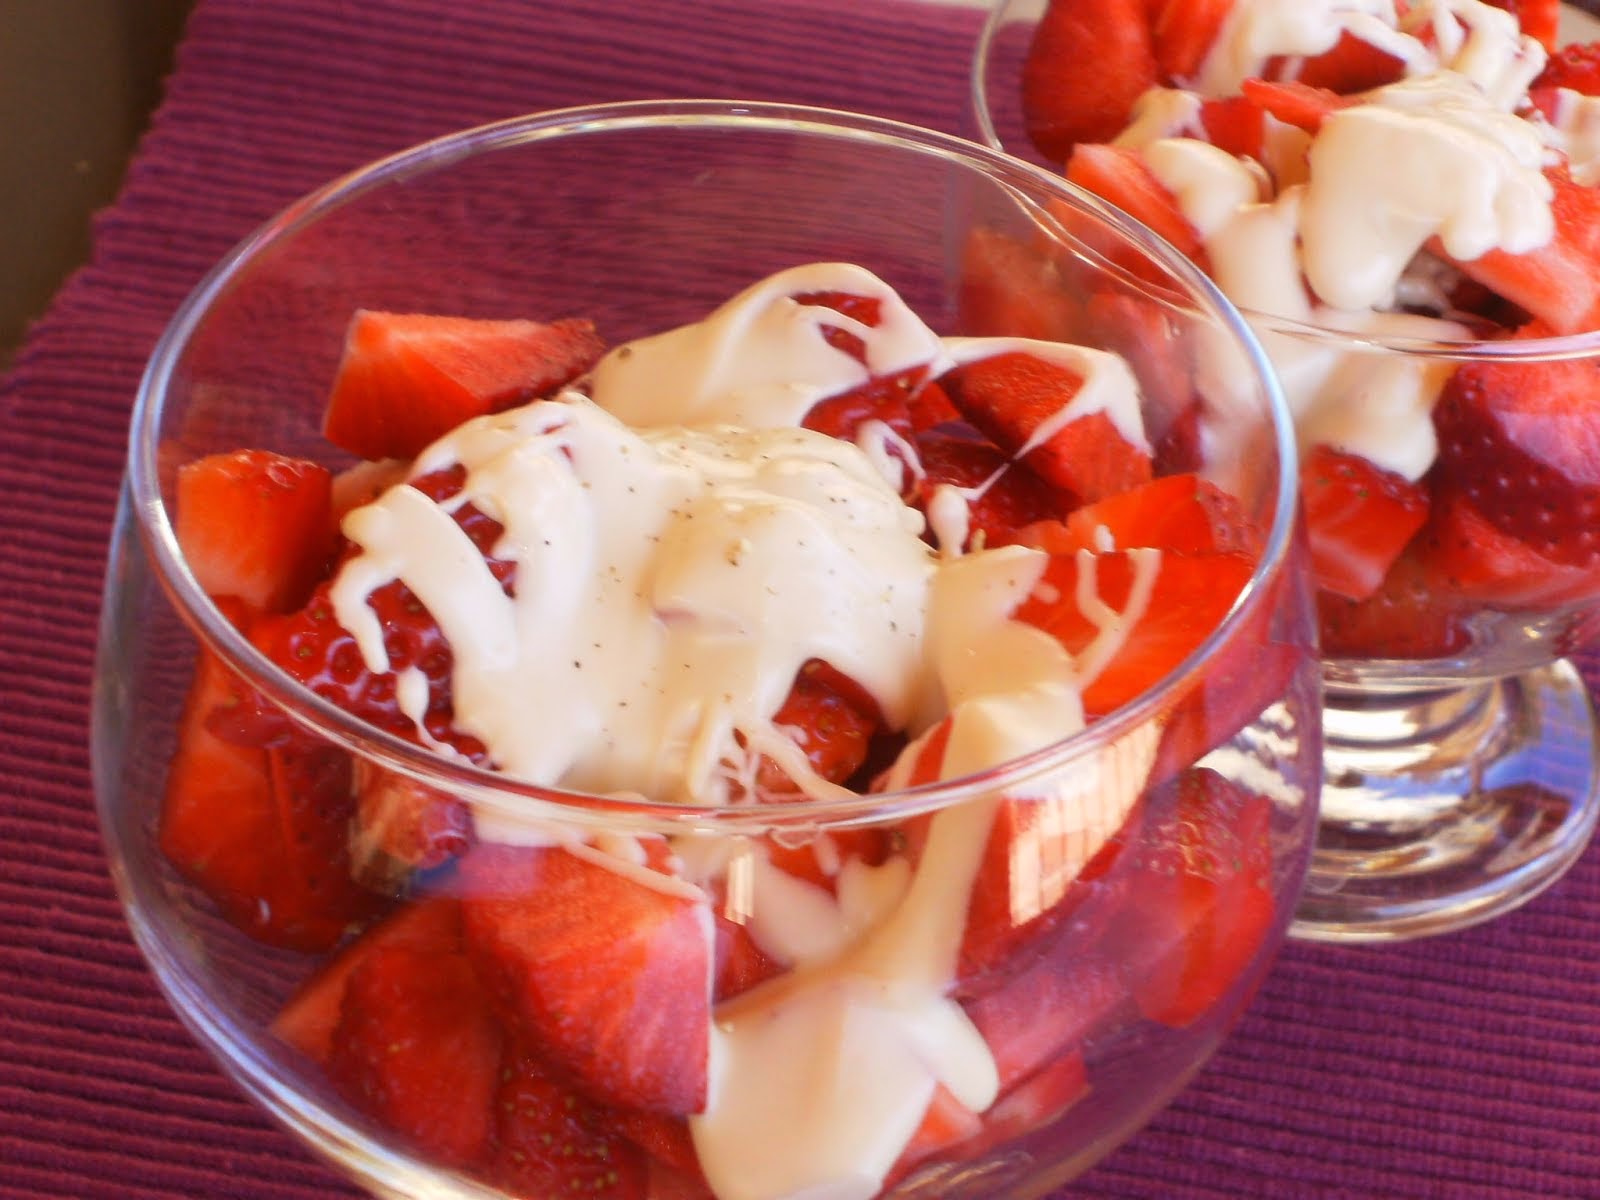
(1465, 1066)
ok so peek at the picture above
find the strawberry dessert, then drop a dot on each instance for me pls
(1403, 196)
(794, 556)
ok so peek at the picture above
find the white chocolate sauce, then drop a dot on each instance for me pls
(681, 549)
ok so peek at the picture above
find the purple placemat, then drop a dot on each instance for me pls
(1468, 1066)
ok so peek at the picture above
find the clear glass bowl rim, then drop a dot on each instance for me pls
(1555, 348)
(513, 797)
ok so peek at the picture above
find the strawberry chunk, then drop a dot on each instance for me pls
(407, 379)
(1522, 442)
(1180, 513)
(1299, 104)
(1045, 1013)
(607, 975)
(1015, 397)
(1556, 282)
(1185, 31)
(1234, 124)
(1413, 614)
(1118, 175)
(1353, 65)
(259, 827)
(1202, 905)
(255, 525)
(402, 826)
(1575, 66)
(1359, 518)
(1539, 19)
(550, 1141)
(417, 1048)
(1011, 494)
(1189, 597)
(830, 719)
(322, 655)
(309, 1018)
(1011, 289)
(1088, 62)
(1468, 555)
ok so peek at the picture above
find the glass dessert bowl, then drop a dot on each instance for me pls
(1401, 199)
(645, 713)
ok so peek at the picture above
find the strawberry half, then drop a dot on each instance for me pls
(550, 1141)
(608, 977)
(831, 719)
(1088, 62)
(1359, 518)
(1012, 396)
(255, 525)
(418, 1049)
(407, 379)
(1298, 104)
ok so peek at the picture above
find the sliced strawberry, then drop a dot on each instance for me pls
(402, 826)
(1118, 175)
(1358, 519)
(1014, 397)
(1185, 31)
(308, 1020)
(1298, 104)
(255, 525)
(1087, 63)
(1190, 596)
(551, 1141)
(1183, 514)
(418, 1049)
(1011, 289)
(1539, 19)
(1556, 282)
(1410, 616)
(1522, 442)
(1575, 66)
(322, 655)
(405, 379)
(1014, 497)
(1353, 65)
(1202, 906)
(1465, 554)
(606, 974)
(260, 828)
(830, 719)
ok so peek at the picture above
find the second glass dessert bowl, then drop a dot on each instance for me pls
(1447, 426)
(921, 818)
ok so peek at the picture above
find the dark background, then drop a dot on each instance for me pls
(78, 80)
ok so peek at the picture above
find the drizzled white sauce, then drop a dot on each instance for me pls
(1440, 154)
(1574, 130)
(681, 549)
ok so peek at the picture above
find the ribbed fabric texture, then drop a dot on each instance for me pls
(1463, 1067)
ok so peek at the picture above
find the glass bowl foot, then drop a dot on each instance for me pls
(1444, 808)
